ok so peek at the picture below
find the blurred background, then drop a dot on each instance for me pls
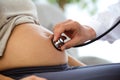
(81, 11)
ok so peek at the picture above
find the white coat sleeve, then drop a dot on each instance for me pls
(104, 20)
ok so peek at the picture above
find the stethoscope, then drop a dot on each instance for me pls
(61, 42)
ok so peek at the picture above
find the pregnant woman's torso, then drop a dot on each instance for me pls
(30, 45)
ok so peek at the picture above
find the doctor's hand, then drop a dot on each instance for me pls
(77, 33)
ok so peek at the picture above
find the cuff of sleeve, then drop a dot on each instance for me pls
(95, 25)
(26, 19)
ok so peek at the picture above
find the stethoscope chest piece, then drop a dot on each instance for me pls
(58, 44)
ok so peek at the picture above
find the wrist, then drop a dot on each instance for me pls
(92, 33)
(88, 35)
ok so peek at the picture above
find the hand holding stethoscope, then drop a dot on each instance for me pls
(79, 35)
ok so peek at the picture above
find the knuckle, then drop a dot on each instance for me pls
(69, 20)
(56, 26)
(75, 23)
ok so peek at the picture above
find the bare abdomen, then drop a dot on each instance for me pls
(30, 45)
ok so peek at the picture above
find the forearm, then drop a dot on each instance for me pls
(2, 77)
(74, 62)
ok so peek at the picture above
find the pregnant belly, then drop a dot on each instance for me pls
(30, 45)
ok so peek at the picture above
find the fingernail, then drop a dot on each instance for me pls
(54, 39)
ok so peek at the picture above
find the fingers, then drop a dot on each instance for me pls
(71, 29)
(57, 33)
(59, 29)
(51, 37)
(70, 44)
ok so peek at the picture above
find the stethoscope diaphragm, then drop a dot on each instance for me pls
(58, 44)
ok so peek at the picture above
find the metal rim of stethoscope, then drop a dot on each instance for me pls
(97, 38)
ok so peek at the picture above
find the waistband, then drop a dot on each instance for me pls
(20, 72)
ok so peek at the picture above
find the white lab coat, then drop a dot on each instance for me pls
(104, 20)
